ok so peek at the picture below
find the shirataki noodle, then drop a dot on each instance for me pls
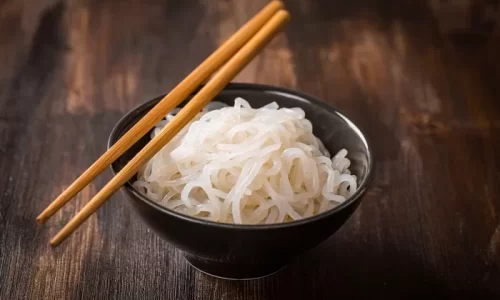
(244, 165)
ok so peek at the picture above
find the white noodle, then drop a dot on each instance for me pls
(247, 166)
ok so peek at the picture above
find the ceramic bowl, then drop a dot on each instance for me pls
(251, 251)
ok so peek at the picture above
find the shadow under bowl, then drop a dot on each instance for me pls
(250, 251)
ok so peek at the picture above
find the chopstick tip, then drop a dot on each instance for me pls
(40, 220)
(54, 242)
(278, 3)
(285, 14)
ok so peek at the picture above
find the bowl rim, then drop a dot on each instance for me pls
(118, 129)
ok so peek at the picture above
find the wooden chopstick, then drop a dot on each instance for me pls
(192, 108)
(169, 102)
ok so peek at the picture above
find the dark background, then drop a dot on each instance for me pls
(420, 77)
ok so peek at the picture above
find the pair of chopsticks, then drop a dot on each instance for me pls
(235, 53)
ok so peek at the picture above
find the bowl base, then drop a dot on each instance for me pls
(233, 271)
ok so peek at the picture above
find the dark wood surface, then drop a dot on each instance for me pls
(422, 78)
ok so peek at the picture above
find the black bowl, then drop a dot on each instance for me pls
(251, 251)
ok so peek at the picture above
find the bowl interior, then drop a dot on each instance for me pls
(329, 125)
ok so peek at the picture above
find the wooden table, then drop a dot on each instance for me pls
(422, 78)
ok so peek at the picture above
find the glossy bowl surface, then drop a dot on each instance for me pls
(251, 251)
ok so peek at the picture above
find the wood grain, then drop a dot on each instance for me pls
(420, 77)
